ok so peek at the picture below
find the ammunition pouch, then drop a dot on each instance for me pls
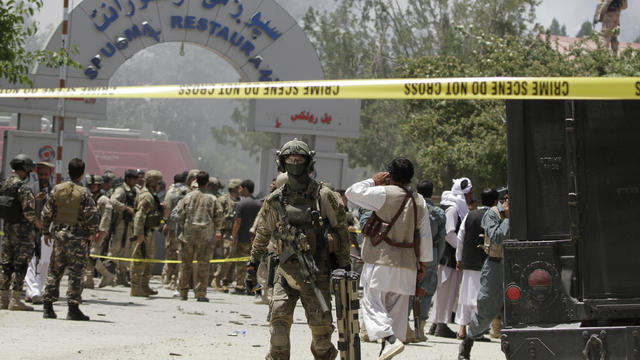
(153, 221)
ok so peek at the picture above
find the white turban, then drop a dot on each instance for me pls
(456, 197)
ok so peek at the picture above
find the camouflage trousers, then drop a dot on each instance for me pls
(216, 253)
(69, 252)
(610, 24)
(172, 248)
(219, 277)
(199, 249)
(119, 249)
(141, 271)
(94, 248)
(288, 288)
(239, 269)
(15, 254)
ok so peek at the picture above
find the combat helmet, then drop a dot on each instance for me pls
(22, 162)
(94, 179)
(234, 183)
(152, 178)
(295, 147)
(215, 184)
(109, 176)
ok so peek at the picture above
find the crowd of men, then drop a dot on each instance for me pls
(406, 249)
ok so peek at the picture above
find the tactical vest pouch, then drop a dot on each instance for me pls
(153, 220)
(68, 203)
(10, 208)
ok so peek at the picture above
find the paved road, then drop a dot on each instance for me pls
(162, 327)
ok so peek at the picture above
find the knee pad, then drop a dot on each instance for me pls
(321, 330)
(280, 334)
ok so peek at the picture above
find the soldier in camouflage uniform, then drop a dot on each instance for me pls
(198, 215)
(17, 247)
(75, 220)
(172, 246)
(147, 218)
(120, 245)
(228, 202)
(108, 179)
(311, 209)
(94, 182)
(608, 13)
(214, 189)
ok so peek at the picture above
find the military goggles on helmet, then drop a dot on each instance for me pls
(295, 159)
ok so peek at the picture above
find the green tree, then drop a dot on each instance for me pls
(15, 29)
(554, 29)
(456, 138)
(585, 30)
(368, 39)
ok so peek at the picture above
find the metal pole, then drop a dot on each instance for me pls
(61, 101)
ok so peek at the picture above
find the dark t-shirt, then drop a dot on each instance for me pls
(247, 209)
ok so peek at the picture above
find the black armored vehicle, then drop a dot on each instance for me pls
(572, 266)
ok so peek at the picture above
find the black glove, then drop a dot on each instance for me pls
(251, 280)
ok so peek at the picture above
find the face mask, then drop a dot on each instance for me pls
(296, 170)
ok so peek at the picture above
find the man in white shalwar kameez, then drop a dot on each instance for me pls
(470, 257)
(390, 271)
(38, 268)
(456, 207)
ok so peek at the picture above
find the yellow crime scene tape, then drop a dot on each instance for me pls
(489, 88)
(159, 261)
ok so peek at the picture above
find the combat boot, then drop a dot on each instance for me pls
(464, 350)
(47, 311)
(88, 281)
(107, 277)
(139, 292)
(4, 299)
(16, 304)
(421, 335)
(411, 336)
(150, 291)
(74, 313)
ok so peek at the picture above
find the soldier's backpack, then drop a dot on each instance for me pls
(68, 203)
(10, 207)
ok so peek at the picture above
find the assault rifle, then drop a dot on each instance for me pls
(296, 242)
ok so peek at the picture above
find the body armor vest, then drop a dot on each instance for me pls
(449, 256)
(68, 203)
(473, 254)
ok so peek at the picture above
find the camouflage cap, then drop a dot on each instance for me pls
(193, 173)
(234, 183)
(152, 177)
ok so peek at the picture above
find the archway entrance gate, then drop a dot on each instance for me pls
(257, 37)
